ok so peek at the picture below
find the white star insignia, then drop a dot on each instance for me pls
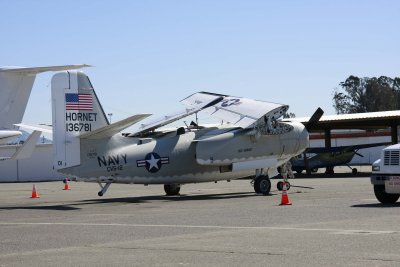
(153, 162)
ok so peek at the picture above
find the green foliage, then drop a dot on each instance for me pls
(358, 95)
(289, 115)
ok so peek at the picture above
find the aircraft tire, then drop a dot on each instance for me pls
(100, 194)
(354, 171)
(329, 171)
(279, 185)
(172, 189)
(384, 197)
(262, 185)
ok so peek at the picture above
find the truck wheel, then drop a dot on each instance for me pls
(384, 197)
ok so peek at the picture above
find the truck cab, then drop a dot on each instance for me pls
(386, 175)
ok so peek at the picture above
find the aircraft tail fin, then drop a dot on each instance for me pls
(76, 111)
(15, 88)
(25, 151)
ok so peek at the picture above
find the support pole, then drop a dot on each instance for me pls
(328, 137)
(394, 133)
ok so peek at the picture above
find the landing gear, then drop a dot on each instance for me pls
(103, 189)
(261, 182)
(286, 172)
(279, 185)
(329, 170)
(384, 197)
(262, 185)
(353, 170)
(172, 189)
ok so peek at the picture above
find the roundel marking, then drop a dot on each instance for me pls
(152, 162)
(230, 102)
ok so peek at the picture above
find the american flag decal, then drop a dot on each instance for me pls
(78, 101)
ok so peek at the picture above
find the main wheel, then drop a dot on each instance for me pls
(262, 185)
(172, 189)
(329, 171)
(384, 197)
(354, 171)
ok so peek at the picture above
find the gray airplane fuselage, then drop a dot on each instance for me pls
(186, 157)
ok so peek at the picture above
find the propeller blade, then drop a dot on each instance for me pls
(314, 119)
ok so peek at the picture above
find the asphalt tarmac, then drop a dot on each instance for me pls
(333, 221)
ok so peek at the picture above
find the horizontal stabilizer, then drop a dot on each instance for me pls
(36, 70)
(112, 129)
(25, 151)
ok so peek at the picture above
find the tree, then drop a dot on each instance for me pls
(289, 115)
(358, 95)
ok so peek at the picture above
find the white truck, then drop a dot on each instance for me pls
(386, 175)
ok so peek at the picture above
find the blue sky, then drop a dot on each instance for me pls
(148, 55)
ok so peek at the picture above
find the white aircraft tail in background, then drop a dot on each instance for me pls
(15, 88)
(26, 149)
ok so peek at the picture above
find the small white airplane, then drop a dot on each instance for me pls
(15, 88)
(89, 148)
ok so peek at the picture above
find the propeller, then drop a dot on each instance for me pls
(312, 122)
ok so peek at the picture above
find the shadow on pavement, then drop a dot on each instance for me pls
(335, 175)
(376, 205)
(134, 200)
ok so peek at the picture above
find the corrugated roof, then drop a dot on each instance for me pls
(382, 119)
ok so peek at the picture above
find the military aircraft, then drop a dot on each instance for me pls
(88, 148)
(323, 157)
(15, 88)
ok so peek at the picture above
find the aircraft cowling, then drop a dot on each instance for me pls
(228, 148)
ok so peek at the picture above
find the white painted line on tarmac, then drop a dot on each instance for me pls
(338, 231)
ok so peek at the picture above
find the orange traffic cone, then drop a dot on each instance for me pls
(66, 185)
(34, 193)
(285, 198)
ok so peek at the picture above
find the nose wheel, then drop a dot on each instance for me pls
(279, 185)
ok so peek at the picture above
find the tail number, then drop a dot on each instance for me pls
(78, 127)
